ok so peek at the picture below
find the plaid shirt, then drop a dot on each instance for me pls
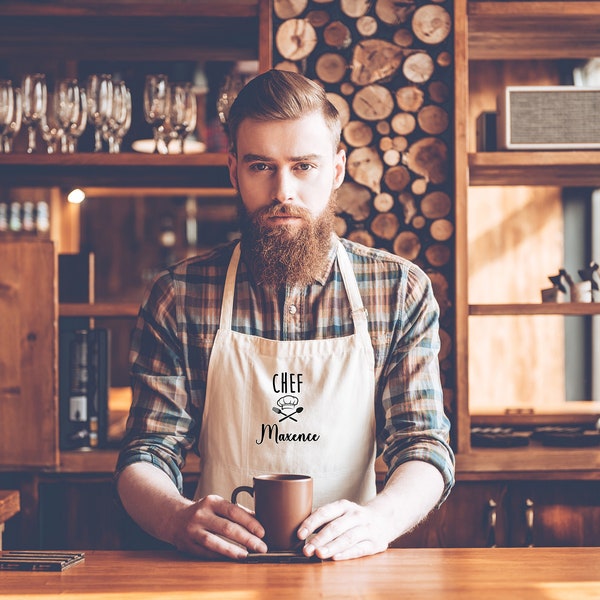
(178, 320)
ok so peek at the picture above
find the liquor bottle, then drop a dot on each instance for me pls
(3, 217)
(15, 224)
(28, 222)
(42, 219)
(78, 393)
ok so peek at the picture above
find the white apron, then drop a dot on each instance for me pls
(302, 407)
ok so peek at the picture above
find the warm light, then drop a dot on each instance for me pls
(76, 196)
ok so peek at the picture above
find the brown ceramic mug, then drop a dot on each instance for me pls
(281, 503)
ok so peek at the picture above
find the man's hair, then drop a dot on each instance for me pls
(280, 96)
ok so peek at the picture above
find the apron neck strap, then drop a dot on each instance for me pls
(359, 313)
(229, 290)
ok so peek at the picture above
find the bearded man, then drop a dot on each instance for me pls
(355, 329)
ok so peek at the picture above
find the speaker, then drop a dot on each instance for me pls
(549, 118)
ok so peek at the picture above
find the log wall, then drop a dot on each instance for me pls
(387, 66)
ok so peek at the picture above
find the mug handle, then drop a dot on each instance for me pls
(239, 490)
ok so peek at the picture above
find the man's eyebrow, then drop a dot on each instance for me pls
(247, 158)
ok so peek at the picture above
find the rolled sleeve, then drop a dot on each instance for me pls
(416, 427)
(160, 427)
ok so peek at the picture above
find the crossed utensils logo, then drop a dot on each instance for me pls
(287, 407)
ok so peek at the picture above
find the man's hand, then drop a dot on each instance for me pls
(342, 530)
(210, 527)
(348, 531)
(213, 527)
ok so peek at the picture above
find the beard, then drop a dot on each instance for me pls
(293, 254)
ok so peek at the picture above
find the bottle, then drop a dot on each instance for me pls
(3, 217)
(15, 224)
(28, 222)
(78, 392)
(42, 219)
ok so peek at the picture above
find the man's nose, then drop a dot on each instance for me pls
(284, 186)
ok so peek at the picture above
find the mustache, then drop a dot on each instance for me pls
(281, 210)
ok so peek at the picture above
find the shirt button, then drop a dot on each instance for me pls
(293, 310)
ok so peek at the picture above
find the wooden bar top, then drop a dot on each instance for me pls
(448, 574)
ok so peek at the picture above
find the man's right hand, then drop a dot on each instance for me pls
(214, 527)
(211, 527)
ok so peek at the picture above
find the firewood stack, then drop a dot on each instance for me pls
(387, 67)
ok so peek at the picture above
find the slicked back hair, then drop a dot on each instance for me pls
(281, 96)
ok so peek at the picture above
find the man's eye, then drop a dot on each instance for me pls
(304, 166)
(259, 167)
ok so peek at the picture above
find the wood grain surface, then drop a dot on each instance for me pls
(528, 573)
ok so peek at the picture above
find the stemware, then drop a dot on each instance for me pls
(7, 105)
(51, 128)
(68, 108)
(119, 119)
(156, 108)
(13, 128)
(126, 123)
(182, 111)
(230, 88)
(33, 88)
(74, 132)
(99, 93)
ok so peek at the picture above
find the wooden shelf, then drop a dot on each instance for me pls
(125, 170)
(149, 30)
(529, 463)
(533, 30)
(546, 308)
(136, 8)
(571, 168)
(104, 461)
(482, 464)
(100, 309)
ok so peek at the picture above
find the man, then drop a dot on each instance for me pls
(291, 352)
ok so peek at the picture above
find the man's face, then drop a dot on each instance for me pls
(286, 173)
(286, 163)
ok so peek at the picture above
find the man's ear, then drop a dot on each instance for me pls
(232, 165)
(339, 167)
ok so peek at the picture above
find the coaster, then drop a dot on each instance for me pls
(280, 557)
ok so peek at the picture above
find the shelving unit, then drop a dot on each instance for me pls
(66, 32)
(514, 31)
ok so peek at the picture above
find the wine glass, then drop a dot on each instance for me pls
(99, 93)
(74, 132)
(182, 111)
(13, 128)
(230, 88)
(52, 130)
(7, 105)
(156, 108)
(67, 108)
(119, 119)
(126, 123)
(34, 90)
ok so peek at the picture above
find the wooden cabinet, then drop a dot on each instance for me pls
(513, 513)
(509, 218)
(28, 369)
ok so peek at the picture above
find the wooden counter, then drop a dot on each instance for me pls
(449, 574)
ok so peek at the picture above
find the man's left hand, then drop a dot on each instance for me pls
(348, 531)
